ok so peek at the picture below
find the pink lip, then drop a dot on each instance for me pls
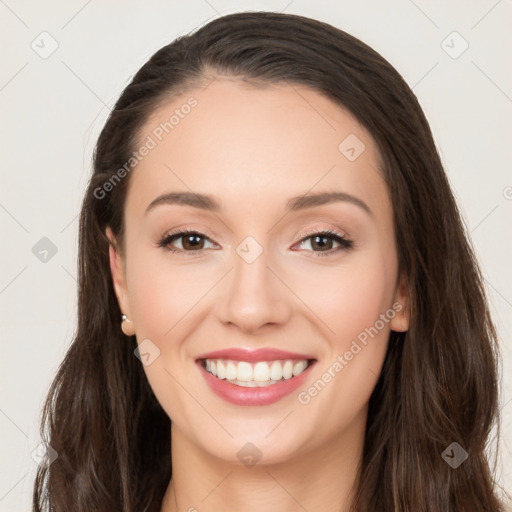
(240, 395)
(261, 354)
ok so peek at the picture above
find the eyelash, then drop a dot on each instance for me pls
(345, 243)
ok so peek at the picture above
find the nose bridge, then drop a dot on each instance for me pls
(254, 296)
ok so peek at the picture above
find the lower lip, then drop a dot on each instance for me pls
(240, 395)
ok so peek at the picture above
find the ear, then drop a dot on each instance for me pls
(117, 269)
(401, 306)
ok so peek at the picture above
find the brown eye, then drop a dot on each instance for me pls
(191, 241)
(322, 243)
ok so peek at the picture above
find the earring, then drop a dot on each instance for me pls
(127, 326)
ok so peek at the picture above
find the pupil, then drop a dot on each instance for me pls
(320, 244)
(189, 241)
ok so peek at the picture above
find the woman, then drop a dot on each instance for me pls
(278, 303)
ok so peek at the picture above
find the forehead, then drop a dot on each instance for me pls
(255, 147)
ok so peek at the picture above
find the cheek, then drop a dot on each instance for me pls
(348, 298)
(356, 305)
(163, 298)
(162, 293)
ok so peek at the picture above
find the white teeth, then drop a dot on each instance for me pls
(299, 367)
(288, 370)
(211, 367)
(252, 383)
(221, 370)
(276, 371)
(231, 371)
(244, 371)
(261, 373)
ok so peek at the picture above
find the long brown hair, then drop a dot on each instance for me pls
(439, 381)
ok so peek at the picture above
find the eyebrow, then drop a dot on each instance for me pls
(209, 203)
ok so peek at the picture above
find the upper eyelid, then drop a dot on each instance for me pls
(325, 231)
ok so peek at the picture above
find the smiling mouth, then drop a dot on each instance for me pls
(255, 374)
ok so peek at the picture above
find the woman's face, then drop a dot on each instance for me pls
(264, 274)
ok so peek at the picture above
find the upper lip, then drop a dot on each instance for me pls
(261, 354)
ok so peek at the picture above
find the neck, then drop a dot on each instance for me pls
(321, 479)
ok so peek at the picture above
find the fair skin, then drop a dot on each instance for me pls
(253, 149)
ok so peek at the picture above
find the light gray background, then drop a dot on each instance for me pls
(52, 110)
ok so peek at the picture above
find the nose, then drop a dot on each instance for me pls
(254, 296)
